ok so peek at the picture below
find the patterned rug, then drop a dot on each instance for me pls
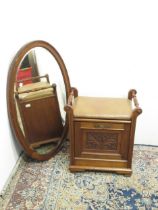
(50, 186)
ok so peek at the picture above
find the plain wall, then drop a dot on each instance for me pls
(108, 47)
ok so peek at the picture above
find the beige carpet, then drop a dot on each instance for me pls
(49, 185)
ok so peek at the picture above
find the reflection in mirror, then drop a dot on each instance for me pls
(40, 96)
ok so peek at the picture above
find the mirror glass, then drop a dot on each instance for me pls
(37, 91)
(40, 97)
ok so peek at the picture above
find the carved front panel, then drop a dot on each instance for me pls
(101, 141)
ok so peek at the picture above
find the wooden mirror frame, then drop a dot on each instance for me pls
(12, 113)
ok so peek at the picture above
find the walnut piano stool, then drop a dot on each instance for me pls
(102, 132)
(39, 113)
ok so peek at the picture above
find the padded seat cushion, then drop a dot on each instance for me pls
(34, 87)
(36, 94)
(102, 108)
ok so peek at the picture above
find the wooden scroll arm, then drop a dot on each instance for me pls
(132, 95)
(72, 96)
(34, 78)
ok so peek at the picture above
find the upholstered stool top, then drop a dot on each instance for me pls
(102, 108)
(36, 94)
(34, 87)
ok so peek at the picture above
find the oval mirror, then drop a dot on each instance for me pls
(37, 91)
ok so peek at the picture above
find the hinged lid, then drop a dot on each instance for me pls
(102, 108)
